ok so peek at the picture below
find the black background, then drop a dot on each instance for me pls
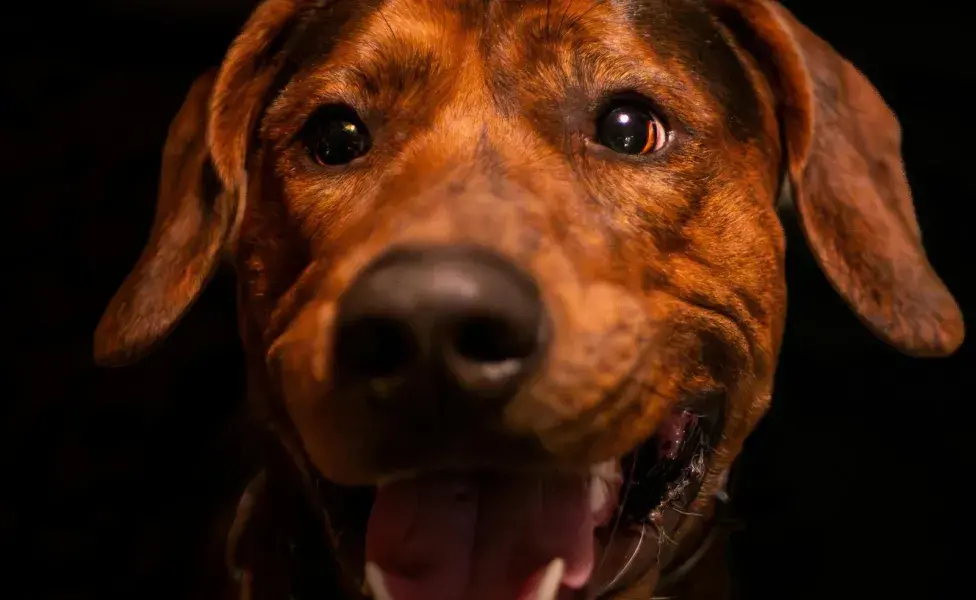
(853, 485)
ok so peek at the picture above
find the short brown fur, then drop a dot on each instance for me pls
(663, 273)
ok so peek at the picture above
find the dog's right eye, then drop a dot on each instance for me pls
(335, 135)
(631, 128)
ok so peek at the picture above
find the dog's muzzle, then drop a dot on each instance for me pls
(431, 344)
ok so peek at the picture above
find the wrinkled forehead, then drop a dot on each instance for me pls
(355, 51)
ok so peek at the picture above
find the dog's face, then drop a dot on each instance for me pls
(502, 257)
(637, 268)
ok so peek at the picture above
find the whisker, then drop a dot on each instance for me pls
(621, 504)
(663, 536)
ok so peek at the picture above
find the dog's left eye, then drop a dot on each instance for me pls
(335, 135)
(631, 129)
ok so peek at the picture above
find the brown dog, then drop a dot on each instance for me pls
(515, 269)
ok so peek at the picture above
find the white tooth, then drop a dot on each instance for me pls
(551, 579)
(599, 494)
(376, 584)
(607, 470)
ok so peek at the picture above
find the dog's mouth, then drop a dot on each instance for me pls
(527, 536)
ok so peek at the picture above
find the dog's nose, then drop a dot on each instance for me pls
(432, 324)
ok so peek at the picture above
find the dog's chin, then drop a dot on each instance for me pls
(493, 535)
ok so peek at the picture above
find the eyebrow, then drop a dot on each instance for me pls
(311, 34)
(693, 34)
(397, 69)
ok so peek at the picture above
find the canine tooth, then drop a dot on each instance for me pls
(599, 494)
(607, 471)
(376, 584)
(551, 579)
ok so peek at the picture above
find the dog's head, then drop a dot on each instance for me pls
(520, 265)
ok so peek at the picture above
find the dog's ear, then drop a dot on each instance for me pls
(201, 192)
(849, 187)
(194, 215)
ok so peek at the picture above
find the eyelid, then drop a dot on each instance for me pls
(315, 118)
(675, 123)
(613, 99)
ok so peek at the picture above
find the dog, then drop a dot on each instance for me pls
(511, 274)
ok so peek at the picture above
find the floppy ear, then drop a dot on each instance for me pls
(194, 214)
(843, 150)
(201, 192)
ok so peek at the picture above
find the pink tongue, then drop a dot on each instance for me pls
(467, 537)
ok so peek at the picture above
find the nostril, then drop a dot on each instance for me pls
(485, 339)
(488, 355)
(374, 347)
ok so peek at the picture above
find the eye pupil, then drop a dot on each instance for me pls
(630, 130)
(336, 136)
